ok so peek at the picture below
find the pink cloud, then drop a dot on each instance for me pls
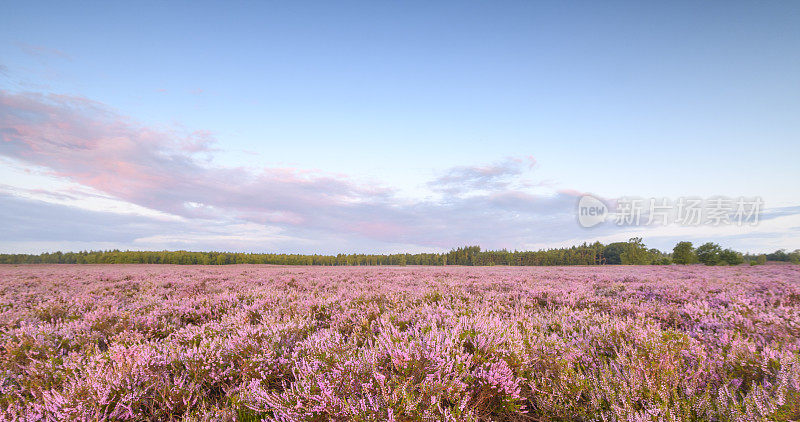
(79, 141)
(86, 142)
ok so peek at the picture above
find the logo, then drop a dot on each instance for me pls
(685, 211)
(591, 211)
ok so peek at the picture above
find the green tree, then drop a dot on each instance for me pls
(779, 255)
(708, 253)
(612, 252)
(635, 253)
(731, 257)
(683, 253)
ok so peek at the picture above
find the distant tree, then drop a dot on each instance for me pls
(731, 257)
(761, 259)
(683, 253)
(613, 251)
(708, 253)
(779, 255)
(659, 258)
(635, 253)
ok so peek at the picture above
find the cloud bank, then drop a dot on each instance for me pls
(216, 207)
(87, 143)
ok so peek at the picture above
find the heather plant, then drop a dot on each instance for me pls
(403, 343)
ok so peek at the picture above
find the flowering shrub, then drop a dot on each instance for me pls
(401, 343)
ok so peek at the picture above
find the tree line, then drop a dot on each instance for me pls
(712, 254)
(632, 252)
(468, 255)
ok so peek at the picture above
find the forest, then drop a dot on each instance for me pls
(633, 252)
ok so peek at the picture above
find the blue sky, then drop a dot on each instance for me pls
(337, 120)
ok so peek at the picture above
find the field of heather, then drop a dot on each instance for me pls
(143, 342)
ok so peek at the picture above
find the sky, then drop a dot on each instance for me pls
(338, 127)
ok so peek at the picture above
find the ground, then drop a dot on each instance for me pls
(149, 342)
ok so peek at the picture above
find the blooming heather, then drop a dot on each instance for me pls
(401, 343)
